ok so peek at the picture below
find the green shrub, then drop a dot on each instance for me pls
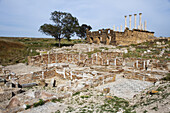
(28, 106)
(167, 78)
(56, 100)
(58, 111)
(145, 111)
(105, 48)
(40, 103)
(84, 96)
(77, 93)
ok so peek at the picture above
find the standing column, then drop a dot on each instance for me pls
(147, 63)
(140, 23)
(117, 28)
(107, 62)
(114, 28)
(135, 20)
(64, 73)
(145, 25)
(42, 74)
(115, 61)
(136, 63)
(142, 27)
(130, 21)
(125, 22)
(138, 26)
(121, 28)
(144, 64)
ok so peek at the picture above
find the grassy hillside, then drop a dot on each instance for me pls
(15, 49)
(11, 52)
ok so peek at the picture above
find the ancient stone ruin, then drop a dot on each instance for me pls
(126, 37)
(69, 79)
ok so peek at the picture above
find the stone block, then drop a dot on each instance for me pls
(14, 102)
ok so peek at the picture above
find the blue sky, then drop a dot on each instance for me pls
(22, 18)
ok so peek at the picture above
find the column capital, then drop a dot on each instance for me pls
(130, 15)
(140, 13)
(135, 14)
(125, 16)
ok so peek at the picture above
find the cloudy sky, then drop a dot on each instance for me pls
(22, 18)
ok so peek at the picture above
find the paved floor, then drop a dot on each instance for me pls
(22, 68)
(126, 88)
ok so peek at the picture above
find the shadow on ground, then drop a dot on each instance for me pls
(57, 45)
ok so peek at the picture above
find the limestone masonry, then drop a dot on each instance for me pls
(93, 78)
(126, 37)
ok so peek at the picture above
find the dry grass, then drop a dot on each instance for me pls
(16, 49)
(11, 52)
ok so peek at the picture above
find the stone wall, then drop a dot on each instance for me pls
(99, 58)
(107, 36)
(39, 60)
(139, 76)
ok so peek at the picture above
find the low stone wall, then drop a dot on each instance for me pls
(100, 58)
(139, 76)
(56, 58)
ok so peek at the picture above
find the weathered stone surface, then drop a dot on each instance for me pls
(14, 102)
(42, 83)
(45, 95)
(37, 94)
(5, 96)
(107, 36)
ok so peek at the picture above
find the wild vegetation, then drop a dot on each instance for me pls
(15, 49)
(149, 50)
